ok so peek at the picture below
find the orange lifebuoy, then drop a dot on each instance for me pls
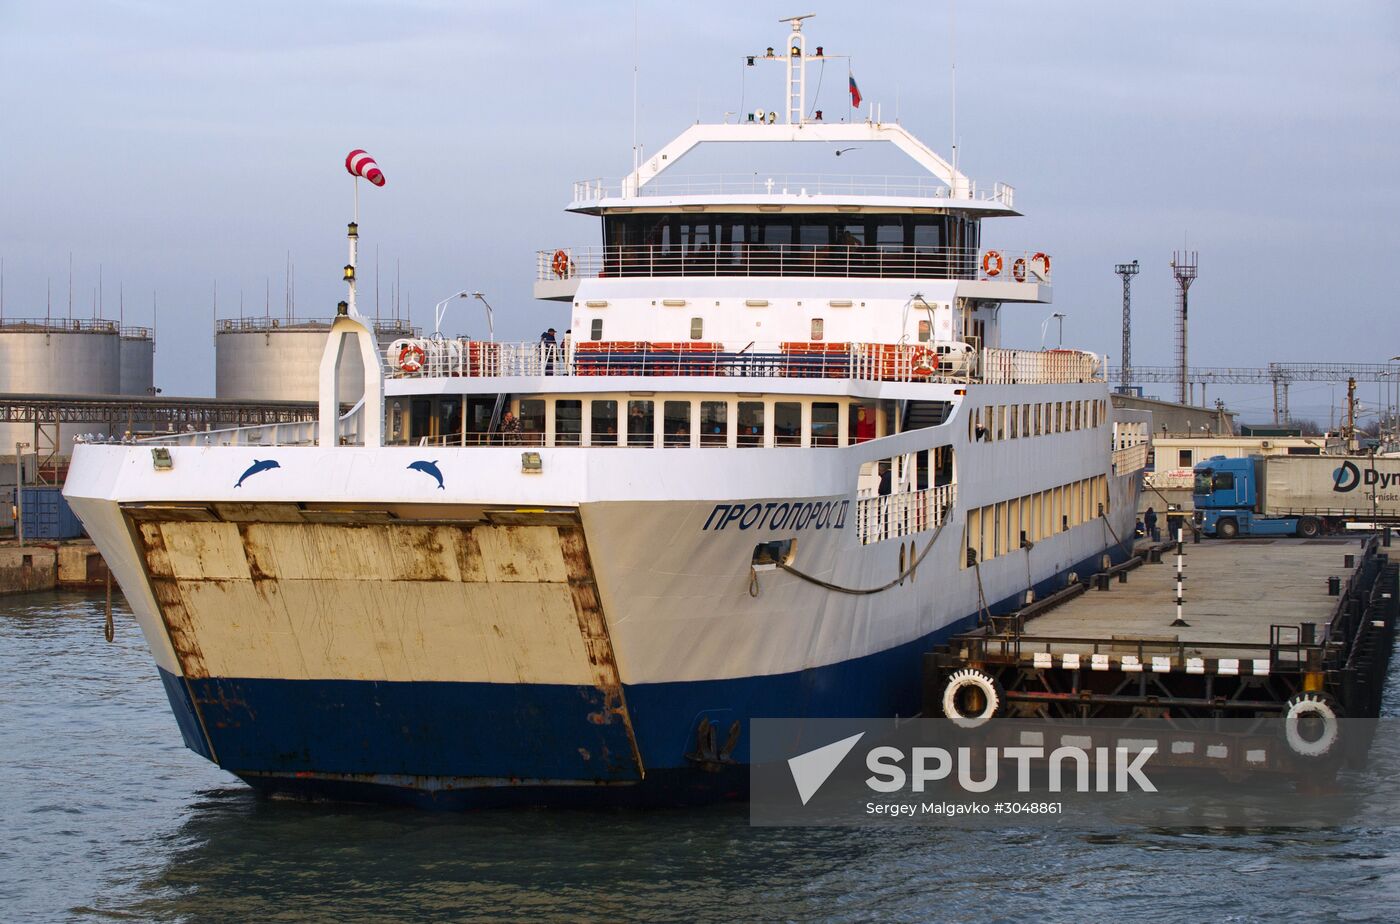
(411, 358)
(992, 263)
(1018, 269)
(1044, 260)
(923, 361)
(560, 264)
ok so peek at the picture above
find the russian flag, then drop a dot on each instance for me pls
(855, 92)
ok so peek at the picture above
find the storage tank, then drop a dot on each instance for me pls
(57, 357)
(137, 351)
(271, 359)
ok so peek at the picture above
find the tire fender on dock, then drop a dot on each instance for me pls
(1314, 706)
(966, 681)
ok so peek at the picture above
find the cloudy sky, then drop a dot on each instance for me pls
(186, 145)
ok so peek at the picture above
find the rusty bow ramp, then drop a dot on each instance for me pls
(420, 646)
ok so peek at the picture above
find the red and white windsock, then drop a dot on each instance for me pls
(358, 163)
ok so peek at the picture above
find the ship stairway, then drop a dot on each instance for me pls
(920, 414)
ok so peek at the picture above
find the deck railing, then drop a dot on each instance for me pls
(854, 261)
(792, 184)
(873, 362)
(890, 516)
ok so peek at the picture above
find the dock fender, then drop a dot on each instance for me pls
(971, 697)
(1323, 729)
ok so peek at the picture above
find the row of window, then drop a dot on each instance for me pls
(1002, 528)
(1012, 421)
(683, 423)
(687, 233)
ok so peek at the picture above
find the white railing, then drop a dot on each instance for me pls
(1038, 367)
(890, 516)
(855, 261)
(1130, 459)
(297, 433)
(872, 362)
(793, 184)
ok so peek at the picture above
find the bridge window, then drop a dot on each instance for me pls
(641, 423)
(750, 424)
(714, 423)
(604, 423)
(787, 423)
(676, 423)
(568, 423)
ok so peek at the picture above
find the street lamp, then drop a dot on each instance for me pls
(440, 310)
(1057, 316)
(490, 315)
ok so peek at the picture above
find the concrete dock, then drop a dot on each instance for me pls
(33, 567)
(1234, 592)
(1272, 627)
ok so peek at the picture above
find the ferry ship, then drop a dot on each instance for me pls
(780, 453)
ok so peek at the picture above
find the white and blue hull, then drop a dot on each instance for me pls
(341, 625)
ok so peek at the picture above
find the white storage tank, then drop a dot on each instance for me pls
(57, 357)
(272, 359)
(137, 351)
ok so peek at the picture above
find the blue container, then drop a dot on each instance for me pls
(47, 515)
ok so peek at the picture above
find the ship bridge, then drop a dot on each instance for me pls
(927, 226)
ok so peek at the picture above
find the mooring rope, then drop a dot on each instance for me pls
(855, 591)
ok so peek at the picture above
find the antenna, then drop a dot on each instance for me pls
(70, 285)
(97, 299)
(1127, 271)
(953, 80)
(1184, 269)
(636, 77)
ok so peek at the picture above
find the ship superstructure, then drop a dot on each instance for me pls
(780, 451)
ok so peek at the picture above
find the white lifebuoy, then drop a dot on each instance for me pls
(1317, 706)
(983, 684)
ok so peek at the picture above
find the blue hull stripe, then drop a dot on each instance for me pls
(340, 738)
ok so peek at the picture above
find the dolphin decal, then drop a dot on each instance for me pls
(254, 469)
(429, 468)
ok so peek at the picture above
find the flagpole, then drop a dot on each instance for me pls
(850, 111)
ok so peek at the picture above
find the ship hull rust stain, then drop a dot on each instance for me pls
(256, 596)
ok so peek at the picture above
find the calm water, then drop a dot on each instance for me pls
(105, 816)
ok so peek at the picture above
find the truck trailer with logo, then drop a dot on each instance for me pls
(1294, 495)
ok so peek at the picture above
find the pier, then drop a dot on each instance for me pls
(1298, 629)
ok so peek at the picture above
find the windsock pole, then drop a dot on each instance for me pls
(358, 164)
(353, 232)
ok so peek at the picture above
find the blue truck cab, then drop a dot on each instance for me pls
(1225, 493)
